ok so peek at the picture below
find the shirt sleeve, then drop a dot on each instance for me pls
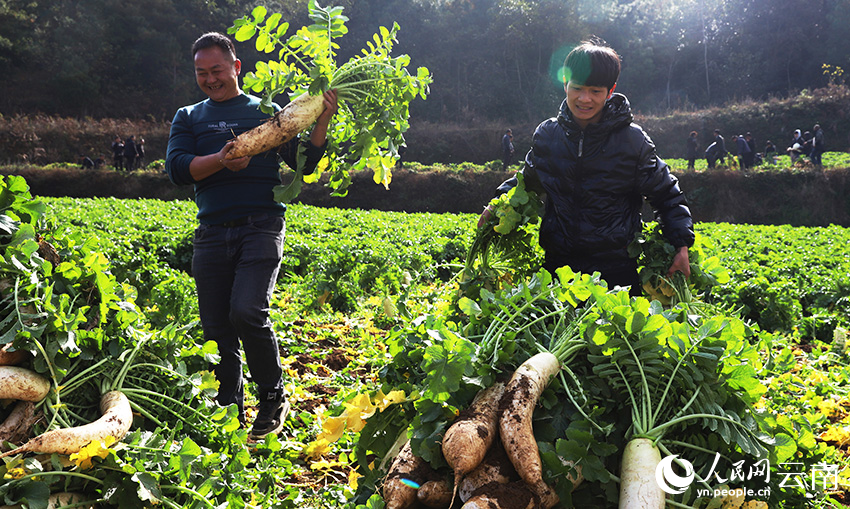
(312, 154)
(661, 189)
(181, 149)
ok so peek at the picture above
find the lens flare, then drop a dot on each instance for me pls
(559, 74)
(412, 484)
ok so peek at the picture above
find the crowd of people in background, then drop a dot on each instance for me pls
(746, 155)
(809, 144)
(128, 154)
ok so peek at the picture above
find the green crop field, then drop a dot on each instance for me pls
(381, 342)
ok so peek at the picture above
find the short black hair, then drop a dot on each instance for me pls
(210, 39)
(592, 63)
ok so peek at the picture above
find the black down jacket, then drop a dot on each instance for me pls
(595, 181)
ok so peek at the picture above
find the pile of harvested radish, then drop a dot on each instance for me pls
(79, 369)
(560, 392)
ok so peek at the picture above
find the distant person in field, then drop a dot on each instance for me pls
(807, 143)
(140, 153)
(750, 156)
(716, 151)
(118, 153)
(743, 151)
(86, 162)
(770, 153)
(796, 148)
(595, 166)
(818, 145)
(130, 153)
(239, 243)
(400, 161)
(692, 147)
(507, 149)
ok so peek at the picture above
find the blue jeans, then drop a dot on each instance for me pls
(235, 270)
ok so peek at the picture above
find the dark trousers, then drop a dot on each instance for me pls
(816, 156)
(235, 270)
(506, 160)
(620, 272)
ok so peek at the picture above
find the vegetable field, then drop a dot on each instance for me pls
(384, 348)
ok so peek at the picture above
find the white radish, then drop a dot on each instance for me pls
(515, 423)
(22, 384)
(60, 499)
(115, 420)
(468, 439)
(17, 425)
(12, 358)
(295, 117)
(399, 494)
(515, 495)
(437, 494)
(638, 487)
(496, 468)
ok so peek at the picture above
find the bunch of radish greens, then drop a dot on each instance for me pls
(624, 374)
(374, 90)
(505, 243)
(123, 413)
(654, 255)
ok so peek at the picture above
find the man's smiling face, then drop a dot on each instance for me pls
(217, 73)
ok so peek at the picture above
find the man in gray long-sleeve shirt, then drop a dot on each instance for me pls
(239, 242)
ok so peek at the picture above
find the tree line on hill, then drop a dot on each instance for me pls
(492, 60)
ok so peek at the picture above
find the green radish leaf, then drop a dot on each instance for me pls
(147, 488)
(743, 377)
(635, 323)
(469, 307)
(445, 363)
(784, 449)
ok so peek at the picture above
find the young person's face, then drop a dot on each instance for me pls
(586, 103)
(217, 74)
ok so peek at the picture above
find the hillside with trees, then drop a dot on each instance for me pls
(492, 60)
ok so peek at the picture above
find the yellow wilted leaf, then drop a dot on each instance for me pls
(317, 448)
(320, 169)
(385, 400)
(333, 428)
(362, 404)
(15, 473)
(356, 423)
(829, 407)
(353, 476)
(836, 434)
(326, 465)
(95, 449)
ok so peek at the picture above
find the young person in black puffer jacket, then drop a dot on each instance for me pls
(595, 167)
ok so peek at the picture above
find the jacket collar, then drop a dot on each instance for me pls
(617, 112)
